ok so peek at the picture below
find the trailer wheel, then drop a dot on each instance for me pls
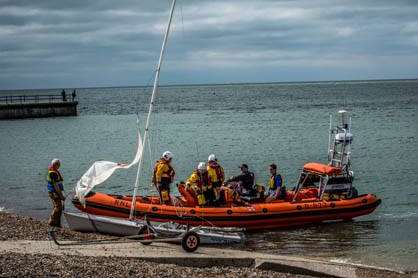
(148, 235)
(190, 241)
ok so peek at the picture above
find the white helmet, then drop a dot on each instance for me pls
(55, 161)
(212, 157)
(201, 166)
(167, 155)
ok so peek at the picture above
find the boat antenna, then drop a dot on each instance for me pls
(151, 105)
(197, 153)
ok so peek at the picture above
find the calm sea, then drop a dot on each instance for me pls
(257, 124)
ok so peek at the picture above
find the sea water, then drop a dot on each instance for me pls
(256, 124)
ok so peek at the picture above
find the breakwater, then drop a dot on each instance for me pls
(36, 106)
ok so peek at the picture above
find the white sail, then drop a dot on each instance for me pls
(100, 171)
(151, 106)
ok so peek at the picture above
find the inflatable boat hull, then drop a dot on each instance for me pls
(258, 216)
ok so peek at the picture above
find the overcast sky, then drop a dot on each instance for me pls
(87, 43)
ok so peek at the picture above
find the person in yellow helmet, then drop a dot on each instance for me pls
(55, 192)
(163, 176)
(199, 182)
(216, 178)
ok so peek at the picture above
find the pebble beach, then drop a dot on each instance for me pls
(14, 227)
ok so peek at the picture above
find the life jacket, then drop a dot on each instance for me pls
(52, 182)
(198, 183)
(272, 182)
(215, 172)
(201, 180)
(167, 172)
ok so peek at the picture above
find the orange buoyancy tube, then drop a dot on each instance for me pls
(190, 199)
(251, 217)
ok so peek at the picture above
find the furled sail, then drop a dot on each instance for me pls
(100, 171)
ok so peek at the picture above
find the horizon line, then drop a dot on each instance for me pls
(218, 84)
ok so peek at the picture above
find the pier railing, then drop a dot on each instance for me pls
(21, 99)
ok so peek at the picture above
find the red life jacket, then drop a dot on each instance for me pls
(203, 179)
(218, 169)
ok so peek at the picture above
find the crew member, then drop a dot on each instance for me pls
(216, 179)
(199, 183)
(245, 180)
(55, 192)
(163, 176)
(276, 189)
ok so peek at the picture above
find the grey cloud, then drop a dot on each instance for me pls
(57, 43)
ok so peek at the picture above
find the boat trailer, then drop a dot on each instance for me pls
(188, 238)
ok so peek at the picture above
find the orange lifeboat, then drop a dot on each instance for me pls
(324, 193)
(256, 216)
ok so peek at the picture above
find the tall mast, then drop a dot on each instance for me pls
(151, 106)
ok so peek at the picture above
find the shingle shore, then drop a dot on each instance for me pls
(14, 227)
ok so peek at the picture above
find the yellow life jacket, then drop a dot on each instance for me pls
(215, 172)
(54, 171)
(201, 200)
(272, 182)
(162, 170)
(198, 180)
(51, 182)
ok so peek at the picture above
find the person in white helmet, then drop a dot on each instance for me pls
(199, 182)
(216, 178)
(163, 176)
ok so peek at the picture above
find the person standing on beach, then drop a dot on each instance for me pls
(55, 192)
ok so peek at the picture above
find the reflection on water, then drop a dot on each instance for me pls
(323, 240)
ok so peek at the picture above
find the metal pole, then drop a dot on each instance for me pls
(329, 139)
(154, 91)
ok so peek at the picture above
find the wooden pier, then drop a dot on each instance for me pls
(37, 106)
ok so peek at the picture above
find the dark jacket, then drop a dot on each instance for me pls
(246, 179)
